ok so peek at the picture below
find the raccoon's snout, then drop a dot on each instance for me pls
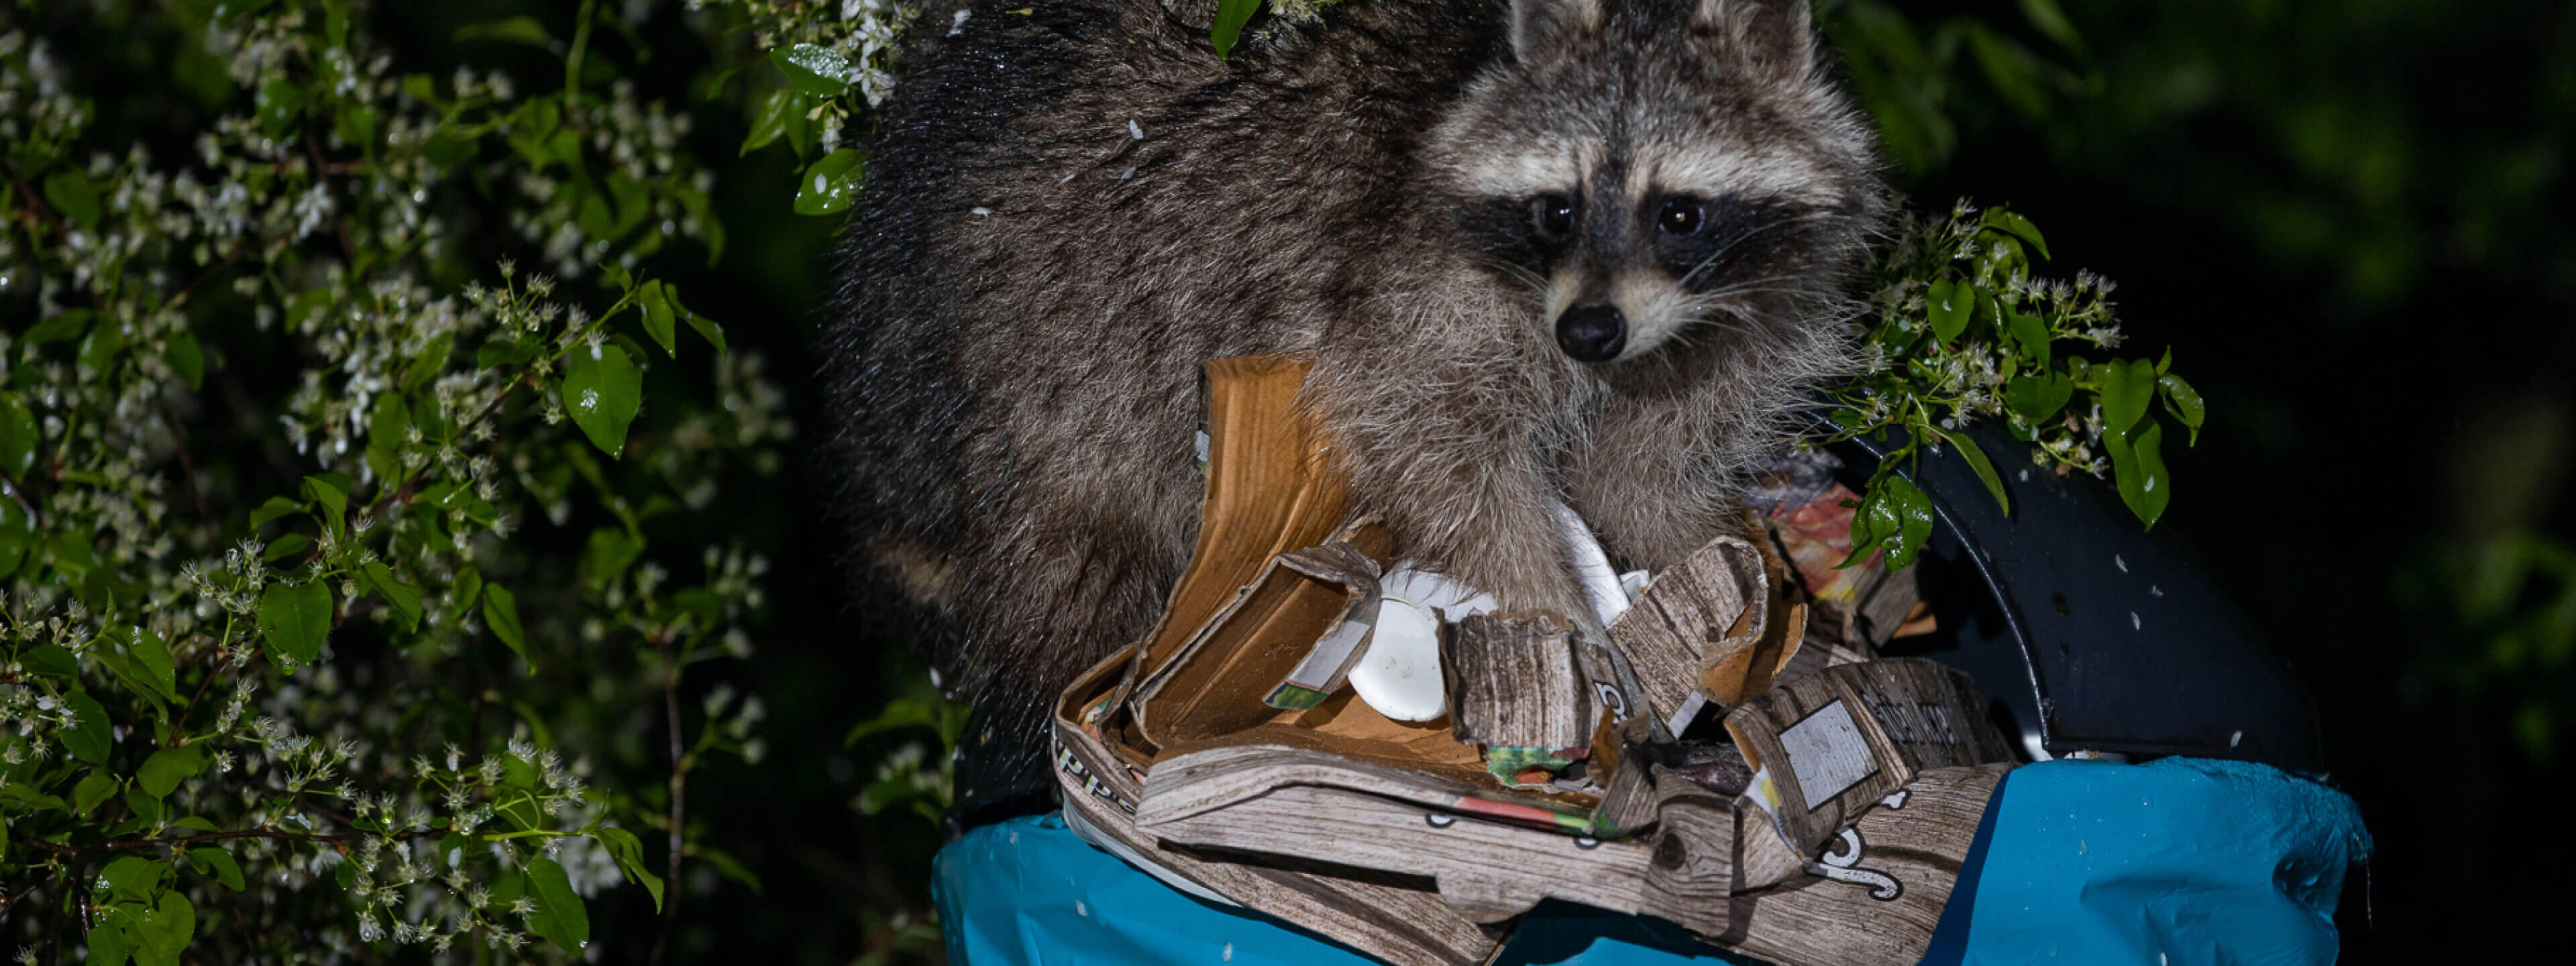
(1592, 333)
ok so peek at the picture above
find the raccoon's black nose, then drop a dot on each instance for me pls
(1592, 333)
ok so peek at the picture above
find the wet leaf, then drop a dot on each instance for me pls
(658, 321)
(2005, 221)
(830, 184)
(2183, 402)
(1950, 304)
(2138, 467)
(601, 390)
(819, 71)
(560, 917)
(2040, 397)
(780, 113)
(2126, 388)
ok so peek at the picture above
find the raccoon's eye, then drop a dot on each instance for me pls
(1679, 217)
(1554, 214)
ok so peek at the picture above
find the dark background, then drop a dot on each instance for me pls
(2346, 218)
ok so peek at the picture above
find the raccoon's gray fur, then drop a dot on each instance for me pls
(1071, 208)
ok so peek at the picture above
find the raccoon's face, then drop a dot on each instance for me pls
(1657, 173)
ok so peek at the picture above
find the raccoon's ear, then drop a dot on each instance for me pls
(1537, 24)
(1774, 37)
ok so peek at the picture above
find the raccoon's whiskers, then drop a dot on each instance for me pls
(1812, 217)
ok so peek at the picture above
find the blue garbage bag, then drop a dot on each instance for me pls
(2178, 861)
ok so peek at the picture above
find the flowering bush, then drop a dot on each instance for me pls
(337, 548)
(1963, 330)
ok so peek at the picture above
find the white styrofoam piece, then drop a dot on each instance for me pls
(1600, 583)
(1400, 674)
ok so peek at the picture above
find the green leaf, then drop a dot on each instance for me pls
(141, 659)
(629, 852)
(2030, 334)
(658, 320)
(780, 113)
(19, 436)
(431, 361)
(89, 741)
(186, 358)
(60, 326)
(355, 126)
(101, 348)
(611, 550)
(32, 798)
(2050, 21)
(2126, 388)
(94, 788)
(164, 931)
(277, 506)
(707, 328)
(2183, 402)
(294, 621)
(51, 659)
(512, 30)
(504, 352)
(1950, 304)
(1231, 15)
(445, 150)
(108, 945)
(278, 105)
(829, 185)
(332, 491)
(2039, 398)
(286, 546)
(501, 614)
(560, 917)
(1966, 447)
(404, 598)
(70, 192)
(1914, 518)
(133, 878)
(1895, 517)
(2007, 222)
(17, 536)
(727, 866)
(602, 390)
(819, 71)
(162, 773)
(2139, 468)
(215, 862)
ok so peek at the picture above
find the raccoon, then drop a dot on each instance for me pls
(1585, 251)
